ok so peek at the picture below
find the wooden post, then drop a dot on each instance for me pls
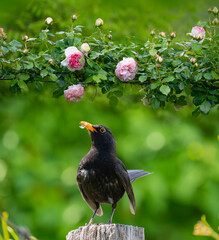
(106, 232)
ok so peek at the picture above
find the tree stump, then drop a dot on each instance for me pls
(106, 232)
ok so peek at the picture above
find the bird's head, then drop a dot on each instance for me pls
(101, 137)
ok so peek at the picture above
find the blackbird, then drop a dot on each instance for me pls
(101, 176)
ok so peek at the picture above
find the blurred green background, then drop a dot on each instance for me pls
(41, 143)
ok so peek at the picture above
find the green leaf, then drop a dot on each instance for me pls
(154, 85)
(22, 84)
(215, 75)
(181, 86)
(208, 76)
(24, 76)
(61, 83)
(142, 78)
(181, 101)
(196, 47)
(196, 112)
(77, 41)
(60, 43)
(96, 78)
(52, 76)
(15, 43)
(205, 107)
(90, 63)
(5, 225)
(113, 100)
(38, 85)
(13, 82)
(4, 49)
(118, 93)
(94, 55)
(42, 36)
(43, 73)
(165, 89)
(155, 103)
(103, 77)
(152, 51)
(176, 62)
(102, 72)
(198, 77)
(168, 79)
(58, 92)
(28, 65)
(13, 234)
(202, 23)
(38, 65)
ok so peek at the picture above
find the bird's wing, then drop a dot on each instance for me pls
(91, 204)
(134, 174)
(123, 176)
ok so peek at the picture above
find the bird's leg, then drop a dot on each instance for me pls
(95, 211)
(113, 209)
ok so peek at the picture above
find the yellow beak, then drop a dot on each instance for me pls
(88, 126)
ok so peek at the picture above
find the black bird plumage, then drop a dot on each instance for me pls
(101, 176)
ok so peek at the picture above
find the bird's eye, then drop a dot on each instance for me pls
(102, 130)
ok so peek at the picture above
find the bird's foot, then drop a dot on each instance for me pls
(90, 223)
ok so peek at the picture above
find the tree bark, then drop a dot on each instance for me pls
(107, 232)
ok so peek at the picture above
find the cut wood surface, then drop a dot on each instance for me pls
(107, 232)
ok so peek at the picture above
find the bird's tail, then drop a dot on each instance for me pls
(134, 174)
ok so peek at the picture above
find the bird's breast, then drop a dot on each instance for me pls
(100, 186)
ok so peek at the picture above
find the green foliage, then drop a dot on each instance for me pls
(187, 69)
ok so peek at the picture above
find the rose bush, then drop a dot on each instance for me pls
(167, 69)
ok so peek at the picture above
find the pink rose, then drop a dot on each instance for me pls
(74, 93)
(197, 32)
(126, 69)
(74, 59)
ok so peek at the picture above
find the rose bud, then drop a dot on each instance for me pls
(51, 61)
(152, 32)
(49, 21)
(74, 93)
(85, 48)
(197, 32)
(99, 22)
(24, 38)
(109, 36)
(159, 59)
(162, 34)
(215, 21)
(196, 64)
(172, 34)
(4, 35)
(25, 51)
(74, 59)
(126, 69)
(193, 60)
(215, 10)
(74, 17)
